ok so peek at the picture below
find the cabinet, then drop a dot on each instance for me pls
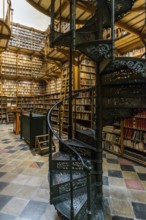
(32, 124)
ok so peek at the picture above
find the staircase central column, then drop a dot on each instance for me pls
(98, 107)
(72, 49)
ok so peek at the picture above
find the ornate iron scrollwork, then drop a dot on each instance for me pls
(99, 50)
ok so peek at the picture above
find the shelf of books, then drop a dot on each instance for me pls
(3, 107)
(25, 37)
(9, 87)
(38, 88)
(25, 103)
(8, 64)
(11, 108)
(38, 105)
(87, 73)
(135, 137)
(64, 80)
(83, 109)
(54, 86)
(112, 140)
(24, 88)
(128, 139)
(19, 65)
(138, 52)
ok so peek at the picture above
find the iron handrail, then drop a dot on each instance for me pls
(86, 167)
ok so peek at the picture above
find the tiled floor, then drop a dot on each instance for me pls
(24, 191)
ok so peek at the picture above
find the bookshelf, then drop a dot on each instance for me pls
(3, 106)
(9, 87)
(138, 52)
(128, 139)
(38, 105)
(25, 103)
(134, 137)
(25, 37)
(83, 109)
(87, 73)
(11, 108)
(54, 86)
(8, 63)
(112, 139)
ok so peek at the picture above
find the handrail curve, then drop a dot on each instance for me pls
(86, 166)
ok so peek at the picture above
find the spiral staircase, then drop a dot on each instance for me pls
(75, 171)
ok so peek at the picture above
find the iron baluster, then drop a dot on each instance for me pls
(50, 161)
(74, 24)
(60, 16)
(59, 121)
(89, 212)
(98, 107)
(75, 116)
(113, 26)
(71, 191)
(52, 23)
(70, 94)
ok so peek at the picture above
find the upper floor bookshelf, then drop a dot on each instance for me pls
(20, 65)
(26, 37)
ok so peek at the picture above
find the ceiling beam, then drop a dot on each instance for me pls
(130, 47)
(38, 7)
(4, 36)
(128, 28)
(138, 9)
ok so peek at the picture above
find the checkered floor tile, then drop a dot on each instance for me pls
(24, 190)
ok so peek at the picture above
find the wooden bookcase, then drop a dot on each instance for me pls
(87, 73)
(113, 138)
(3, 113)
(25, 37)
(127, 139)
(134, 137)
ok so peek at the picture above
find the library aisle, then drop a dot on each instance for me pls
(24, 190)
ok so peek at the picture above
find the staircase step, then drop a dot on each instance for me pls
(86, 136)
(82, 148)
(96, 50)
(97, 212)
(61, 182)
(64, 176)
(122, 65)
(63, 188)
(64, 207)
(80, 205)
(61, 161)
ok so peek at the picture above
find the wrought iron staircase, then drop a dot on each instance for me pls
(75, 171)
(74, 188)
